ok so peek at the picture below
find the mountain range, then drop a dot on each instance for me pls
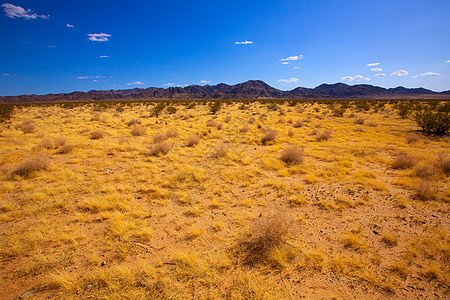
(252, 89)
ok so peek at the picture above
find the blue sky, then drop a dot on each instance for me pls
(65, 46)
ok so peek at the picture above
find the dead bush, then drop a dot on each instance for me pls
(27, 126)
(221, 150)
(268, 234)
(290, 133)
(425, 171)
(292, 155)
(59, 141)
(160, 148)
(31, 165)
(97, 134)
(134, 122)
(324, 135)
(359, 121)
(251, 120)
(138, 130)
(442, 163)
(426, 191)
(269, 136)
(299, 123)
(403, 161)
(227, 119)
(211, 123)
(172, 133)
(244, 129)
(46, 144)
(192, 140)
(64, 149)
(412, 138)
(159, 137)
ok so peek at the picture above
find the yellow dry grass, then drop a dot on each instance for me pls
(109, 202)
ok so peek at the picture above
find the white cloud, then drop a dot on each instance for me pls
(174, 84)
(430, 74)
(400, 73)
(90, 77)
(380, 75)
(104, 56)
(6, 74)
(243, 43)
(355, 78)
(98, 37)
(13, 12)
(296, 67)
(415, 76)
(51, 46)
(135, 83)
(205, 81)
(448, 61)
(294, 57)
(290, 80)
(285, 62)
(373, 64)
(95, 80)
(376, 69)
(70, 26)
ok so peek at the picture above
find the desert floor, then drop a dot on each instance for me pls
(256, 201)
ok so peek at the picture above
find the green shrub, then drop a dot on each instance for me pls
(433, 121)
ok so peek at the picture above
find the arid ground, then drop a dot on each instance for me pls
(249, 200)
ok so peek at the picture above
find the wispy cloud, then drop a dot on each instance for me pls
(205, 81)
(98, 37)
(415, 76)
(135, 83)
(448, 61)
(296, 67)
(400, 73)
(355, 78)
(294, 57)
(104, 56)
(430, 74)
(90, 77)
(380, 75)
(6, 74)
(70, 26)
(52, 46)
(376, 69)
(169, 84)
(285, 62)
(243, 43)
(290, 80)
(13, 12)
(373, 64)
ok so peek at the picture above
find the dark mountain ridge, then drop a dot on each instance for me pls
(252, 89)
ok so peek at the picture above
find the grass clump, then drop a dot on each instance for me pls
(97, 134)
(412, 138)
(268, 236)
(137, 130)
(426, 191)
(192, 140)
(324, 135)
(269, 136)
(159, 137)
(403, 161)
(221, 150)
(161, 148)
(292, 155)
(27, 126)
(31, 165)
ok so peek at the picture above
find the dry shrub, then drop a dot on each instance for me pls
(359, 129)
(161, 148)
(27, 126)
(299, 123)
(134, 122)
(403, 161)
(64, 149)
(251, 120)
(96, 117)
(227, 119)
(425, 171)
(32, 164)
(412, 138)
(192, 140)
(219, 126)
(97, 134)
(244, 129)
(172, 133)
(221, 150)
(443, 163)
(426, 191)
(268, 235)
(269, 136)
(290, 133)
(46, 144)
(159, 137)
(292, 155)
(359, 121)
(137, 130)
(324, 135)
(211, 123)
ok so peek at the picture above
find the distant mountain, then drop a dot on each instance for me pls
(252, 89)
